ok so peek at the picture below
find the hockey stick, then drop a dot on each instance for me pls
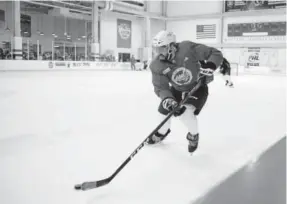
(95, 184)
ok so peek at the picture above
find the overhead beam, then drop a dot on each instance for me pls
(55, 6)
(71, 4)
(120, 5)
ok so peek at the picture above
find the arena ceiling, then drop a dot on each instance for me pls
(44, 6)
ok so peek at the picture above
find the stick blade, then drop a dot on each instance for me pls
(91, 185)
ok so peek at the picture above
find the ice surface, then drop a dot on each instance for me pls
(62, 128)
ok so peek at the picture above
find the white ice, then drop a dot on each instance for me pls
(62, 128)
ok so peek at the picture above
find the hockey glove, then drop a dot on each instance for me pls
(169, 104)
(207, 69)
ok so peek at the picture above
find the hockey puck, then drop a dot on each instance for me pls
(78, 187)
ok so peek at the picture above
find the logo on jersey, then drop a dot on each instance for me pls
(181, 76)
(166, 70)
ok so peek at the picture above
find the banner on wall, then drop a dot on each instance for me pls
(262, 60)
(239, 5)
(78, 65)
(263, 57)
(25, 26)
(252, 57)
(2, 19)
(68, 64)
(124, 33)
(255, 61)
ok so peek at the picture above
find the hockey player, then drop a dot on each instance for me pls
(225, 70)
(175, 70)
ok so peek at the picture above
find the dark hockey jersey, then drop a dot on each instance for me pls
(183, 71)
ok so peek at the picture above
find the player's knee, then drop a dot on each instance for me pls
(190, 109)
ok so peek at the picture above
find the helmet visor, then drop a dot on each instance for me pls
(162, 50)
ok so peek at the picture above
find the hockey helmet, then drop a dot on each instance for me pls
(163, 38)
(163, 44)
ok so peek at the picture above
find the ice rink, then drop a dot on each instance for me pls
(62, 128)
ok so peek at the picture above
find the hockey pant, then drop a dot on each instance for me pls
(193, 106)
